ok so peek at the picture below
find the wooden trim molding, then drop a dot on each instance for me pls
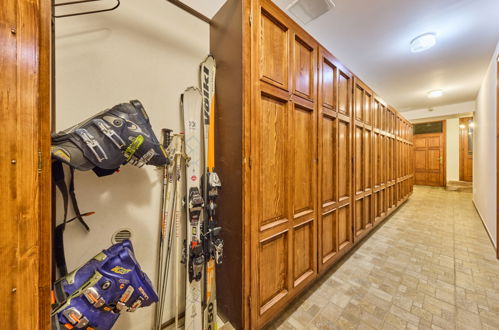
(497, 159)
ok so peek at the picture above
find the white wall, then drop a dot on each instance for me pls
(146, 50)
(484, 149)
(452, 149)
(441, 111)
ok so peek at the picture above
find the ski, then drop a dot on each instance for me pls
(212, 244)
(193, 249)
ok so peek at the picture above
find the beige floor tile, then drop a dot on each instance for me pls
(430, 266)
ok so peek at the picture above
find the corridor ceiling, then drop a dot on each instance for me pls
(372, 39)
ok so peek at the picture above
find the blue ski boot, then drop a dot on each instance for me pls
(93, 296)
(110, 139)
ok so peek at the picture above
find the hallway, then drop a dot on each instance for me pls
(430, 266)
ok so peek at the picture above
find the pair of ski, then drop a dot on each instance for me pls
(203, 246)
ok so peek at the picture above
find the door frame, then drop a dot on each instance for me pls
(497, 160)
(462, 153)
(444, 147)
(26, 165)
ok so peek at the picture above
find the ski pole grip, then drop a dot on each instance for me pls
(167, 137)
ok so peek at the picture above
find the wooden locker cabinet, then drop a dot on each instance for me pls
(362, 145)
(296, 152)
(335, 236)
(284, 157)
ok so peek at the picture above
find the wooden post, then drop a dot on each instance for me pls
(497, 160)
(25, 229)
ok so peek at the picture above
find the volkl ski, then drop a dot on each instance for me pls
(212, 243)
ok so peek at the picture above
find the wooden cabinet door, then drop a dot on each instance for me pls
(271, 202)
(466, 149)
(303, 152)
(344, 173)
(274, 61)
(363, 165)
(335, 229)
(284, 163)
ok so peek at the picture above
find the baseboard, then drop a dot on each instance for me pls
(485, 226)
(170, 322)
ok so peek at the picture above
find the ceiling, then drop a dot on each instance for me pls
(372, 39)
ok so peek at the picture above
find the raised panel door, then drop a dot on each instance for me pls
(304, 159)
(466, 149)
(379, 204)
(272, 228)
(328, 160)
(329, 236)
(273, 271)
(273, 160)
(359, 216)
(304, 252)
(359, 160)
(344, 228)
(358, 101)
(304, 193)
(344, 157)
(426, 158)
(367, 160)
(368, 215)
(376, 156)
(382, 159)
(328, 84)
(386, 160)
(274, 50)
(343, 92)
(368, 108)
(304, 64)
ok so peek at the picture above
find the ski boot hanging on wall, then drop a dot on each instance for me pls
(94, 295)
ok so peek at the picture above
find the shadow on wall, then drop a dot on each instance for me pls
(130, 185)
(113, 198)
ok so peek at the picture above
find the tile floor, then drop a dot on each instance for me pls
(430, 266)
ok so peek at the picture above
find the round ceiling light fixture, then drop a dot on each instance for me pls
(435, 93)
(423, 42)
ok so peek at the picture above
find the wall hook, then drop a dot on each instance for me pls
(83, 12)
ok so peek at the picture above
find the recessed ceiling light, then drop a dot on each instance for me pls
(423, 42)
(435, 93)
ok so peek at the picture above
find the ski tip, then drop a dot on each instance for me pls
(208, 60)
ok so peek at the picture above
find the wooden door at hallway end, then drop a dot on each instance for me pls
(466, 149)
(429, 156)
